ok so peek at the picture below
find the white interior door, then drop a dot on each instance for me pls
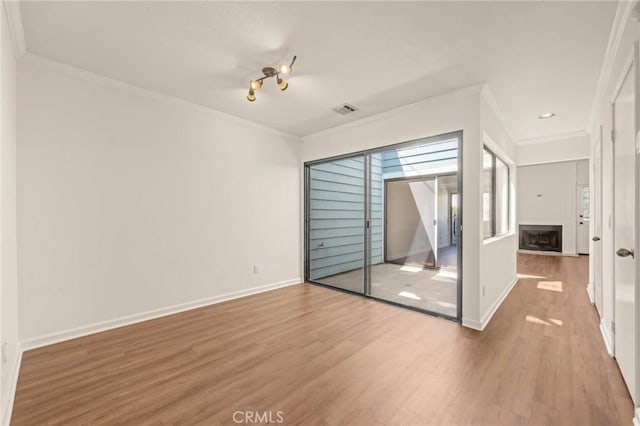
(624, 125)
(596, 220)
(582, 218)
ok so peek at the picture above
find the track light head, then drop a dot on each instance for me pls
(282, 84)
(251, 96)
(284, 69)
(255, 84)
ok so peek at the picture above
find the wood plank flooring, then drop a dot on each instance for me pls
(323, 357)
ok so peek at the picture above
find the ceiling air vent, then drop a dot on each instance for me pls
(345, 109)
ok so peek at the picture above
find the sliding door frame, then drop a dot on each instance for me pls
(367, 216)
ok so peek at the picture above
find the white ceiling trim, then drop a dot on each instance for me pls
(416, 106)
(565, 160)
(562, 136)
(50, 64)
(497, 149)
(490, 99)
(14, 19)
(623, 13)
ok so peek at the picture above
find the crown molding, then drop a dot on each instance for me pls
(624, 12)
(99, 79)
(490, 99)
(14, 21)
(562, 136)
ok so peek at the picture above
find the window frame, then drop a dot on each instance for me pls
(494, 198)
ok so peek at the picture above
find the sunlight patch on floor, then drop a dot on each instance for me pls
(446, 273)
(550, 323)
(550, 285)
(537, 277)
(409, 295)
(409, 268)
(536, 320)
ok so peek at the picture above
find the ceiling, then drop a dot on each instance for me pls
(537, 57)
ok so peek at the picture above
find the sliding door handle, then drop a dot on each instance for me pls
(623, 252)
(596, 239)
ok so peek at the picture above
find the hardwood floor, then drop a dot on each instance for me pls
(322, 357)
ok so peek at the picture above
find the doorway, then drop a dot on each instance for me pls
(382, 223)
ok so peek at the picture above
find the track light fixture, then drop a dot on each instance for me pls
(269, 72)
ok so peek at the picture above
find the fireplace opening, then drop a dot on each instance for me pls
(541, 237)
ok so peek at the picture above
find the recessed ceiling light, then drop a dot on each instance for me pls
(546, 115)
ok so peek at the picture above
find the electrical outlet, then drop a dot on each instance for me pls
(256, 269)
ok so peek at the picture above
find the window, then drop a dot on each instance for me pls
(487, 193)
(495, 195)
(502, 197)
(585, 202)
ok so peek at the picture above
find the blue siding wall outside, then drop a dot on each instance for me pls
(336, 240)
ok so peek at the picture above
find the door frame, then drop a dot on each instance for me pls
(636, 60)
(632, 63)
(596, 203)
(623, 75)
(459, 135)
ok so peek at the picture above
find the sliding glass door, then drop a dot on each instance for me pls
(336, 223)
(419, 268)
(386, 223)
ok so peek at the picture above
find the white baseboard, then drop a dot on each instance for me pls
(496, 304)
(548, 253)
(480, 325)
(473, 324)
(590, 293)
(8, 410)
(85, 330)
(606, 336)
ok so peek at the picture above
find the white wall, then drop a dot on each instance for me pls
(410, 214)
(497, 255)
(130, 202)
(8, 266)
(582, 173)
(443, 114)
(571, 147)
(547, 196)
(602, 119)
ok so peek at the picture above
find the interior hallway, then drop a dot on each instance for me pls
(326, 357)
